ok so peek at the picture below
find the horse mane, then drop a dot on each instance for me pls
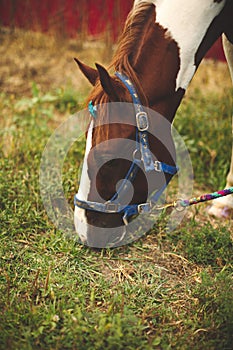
(129, 47)
(132, 38)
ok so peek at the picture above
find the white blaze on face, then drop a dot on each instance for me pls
(187, 22)
(80, 219)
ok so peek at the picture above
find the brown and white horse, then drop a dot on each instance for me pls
(161, 47)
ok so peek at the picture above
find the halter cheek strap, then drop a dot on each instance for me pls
(142, 124)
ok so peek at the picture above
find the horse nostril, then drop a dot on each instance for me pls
(104, 225)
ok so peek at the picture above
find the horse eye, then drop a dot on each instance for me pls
(111, 163)
(102, 160)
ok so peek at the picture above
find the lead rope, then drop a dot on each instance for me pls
(182, 204)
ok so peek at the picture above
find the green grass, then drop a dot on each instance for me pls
(205, 122)
(166, 291)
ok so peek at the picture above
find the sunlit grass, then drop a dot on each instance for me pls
(168, 290)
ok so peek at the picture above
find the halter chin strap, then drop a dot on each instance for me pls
(113, 206)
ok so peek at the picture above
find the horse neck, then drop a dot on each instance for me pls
(171, 50)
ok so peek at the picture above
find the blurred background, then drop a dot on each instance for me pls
(71, 18)
(40, 38)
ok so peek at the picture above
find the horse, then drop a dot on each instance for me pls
(158, 53)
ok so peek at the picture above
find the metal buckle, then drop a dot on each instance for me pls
(158, 166)
(144, 208)
(111, 207)
(125, 219)
(142, 121)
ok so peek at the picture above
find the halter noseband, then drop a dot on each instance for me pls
(113, 206)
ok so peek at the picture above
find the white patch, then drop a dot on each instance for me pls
(222, 207)
(80, 219)
(187, 22)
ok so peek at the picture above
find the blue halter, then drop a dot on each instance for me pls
(113, 206)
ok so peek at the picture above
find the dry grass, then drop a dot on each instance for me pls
(48, 61)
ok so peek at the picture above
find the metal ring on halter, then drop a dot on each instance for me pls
(135, 155)
(178, 205)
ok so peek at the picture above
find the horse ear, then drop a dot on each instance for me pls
(90, 73)
(108, 84)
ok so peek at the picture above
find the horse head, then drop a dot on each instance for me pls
(114, 182)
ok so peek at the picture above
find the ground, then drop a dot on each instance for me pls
(169, 290)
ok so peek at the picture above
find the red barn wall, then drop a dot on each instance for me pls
(70, 17)
(74, 17)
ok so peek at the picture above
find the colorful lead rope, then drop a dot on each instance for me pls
(181, 204)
